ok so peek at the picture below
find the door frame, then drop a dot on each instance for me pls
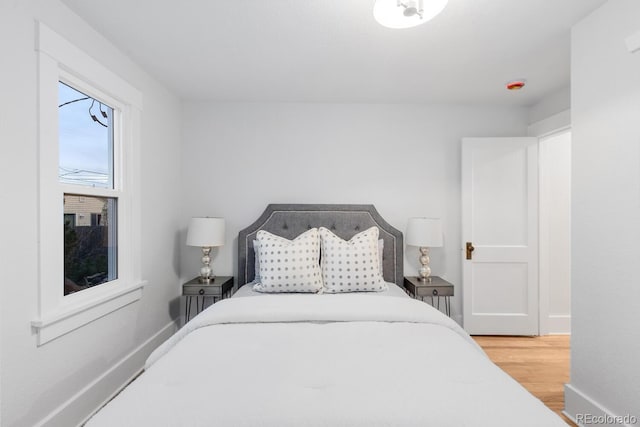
(543, 241)
(545, 128)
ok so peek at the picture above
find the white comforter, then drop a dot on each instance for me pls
(322, 360)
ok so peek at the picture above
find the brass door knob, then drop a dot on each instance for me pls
(470, 250)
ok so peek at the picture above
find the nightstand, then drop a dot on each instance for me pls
(437, 287)
(219, 288)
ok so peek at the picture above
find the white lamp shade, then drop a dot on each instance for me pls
(391, 14)
(206, 232)
(424, 232)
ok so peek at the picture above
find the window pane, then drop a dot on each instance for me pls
(90, 241)
(86, 139)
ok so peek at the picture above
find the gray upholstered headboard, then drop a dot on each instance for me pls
(344, 220)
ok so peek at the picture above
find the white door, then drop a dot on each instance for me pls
(500, 235)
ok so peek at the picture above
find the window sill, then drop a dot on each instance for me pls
(69, 317)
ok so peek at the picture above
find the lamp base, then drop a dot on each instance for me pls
(206, 274)
(424, 272)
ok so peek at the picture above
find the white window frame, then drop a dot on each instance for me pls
(59, 60)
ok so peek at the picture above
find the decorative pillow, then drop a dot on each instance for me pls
(256, 257)
(352, 266)
(289, 265)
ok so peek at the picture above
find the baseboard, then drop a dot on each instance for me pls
(578, 405)
(559, 324)
(81, 406)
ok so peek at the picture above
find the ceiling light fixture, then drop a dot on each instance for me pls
(406, 13)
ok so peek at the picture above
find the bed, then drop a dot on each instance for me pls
(322, 359)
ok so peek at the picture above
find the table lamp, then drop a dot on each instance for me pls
(206, 233)
(425, 233)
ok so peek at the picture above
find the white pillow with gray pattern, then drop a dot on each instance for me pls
(289, 265)
(256, 257)
(351, 266)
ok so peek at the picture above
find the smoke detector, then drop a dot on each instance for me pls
(516, 84)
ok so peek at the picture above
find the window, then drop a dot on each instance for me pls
(86, 129)
(89, 254)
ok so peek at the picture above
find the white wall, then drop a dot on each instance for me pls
(605, 104)
(555, 233)
(551, 113)
(40, 382)
(404, 159)
(550, 105)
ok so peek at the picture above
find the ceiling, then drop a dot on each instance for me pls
(334, 51)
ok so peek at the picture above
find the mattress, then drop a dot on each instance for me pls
(323, 361)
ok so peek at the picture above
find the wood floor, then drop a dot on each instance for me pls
(540, 364)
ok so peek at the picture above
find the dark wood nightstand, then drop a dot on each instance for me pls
(219, 288)
(437, 287)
